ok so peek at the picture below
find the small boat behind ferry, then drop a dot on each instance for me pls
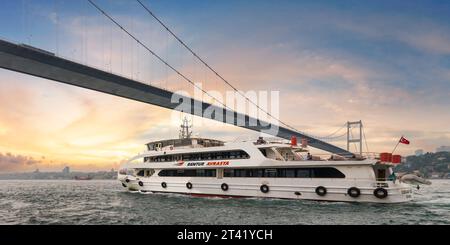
(266, 169)
(83, 178)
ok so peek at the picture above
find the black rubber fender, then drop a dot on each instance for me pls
(354, 192)
(164, 185)
(189, 185)
(321, 191)
(380, 193)
(264, 189)
(224, 187)
(140, 183)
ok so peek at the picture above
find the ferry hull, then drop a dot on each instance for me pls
(336, 191)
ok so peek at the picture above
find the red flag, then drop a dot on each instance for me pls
(404, 141)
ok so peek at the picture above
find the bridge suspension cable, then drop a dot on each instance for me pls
(178, 72)
(212, 69)
(365, 139)
(333, 136)
(328, 137)
(154, 54)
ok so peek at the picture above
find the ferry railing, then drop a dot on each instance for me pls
(366, 155)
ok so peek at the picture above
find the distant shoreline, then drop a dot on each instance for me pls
(57, 180)
(81, 176)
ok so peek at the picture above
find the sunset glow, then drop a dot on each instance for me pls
(332, 63)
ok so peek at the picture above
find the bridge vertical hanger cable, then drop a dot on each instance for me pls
(177, 71)
(182, 75)
(138, 62)
(351, 133)
(132, 50)
(167, 58)
(102, 42)
(365, 140)
(211, 69)
(84, 26)
(110, 47)
(152, 52)
(55, 27)
(150, 62)
(58, 25)
(25, 6)
(26, 16)
(121, 53)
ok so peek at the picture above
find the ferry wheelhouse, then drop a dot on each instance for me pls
(263, 169)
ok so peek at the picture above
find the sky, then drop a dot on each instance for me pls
(386, 63)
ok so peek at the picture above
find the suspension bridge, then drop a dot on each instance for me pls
(33, 61)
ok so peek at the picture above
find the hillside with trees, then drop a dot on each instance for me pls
(431, 165)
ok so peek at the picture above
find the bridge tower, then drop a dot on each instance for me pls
(351, 138)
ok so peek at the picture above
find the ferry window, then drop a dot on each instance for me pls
(211, 173)
(258, 173)
(201, 172)
(303, 173)
(232, 155)
(327, 173)
(226, 155)
(188, 173)
(217, 155)
(264, 152)
(196, 157)
(140, 173)
(271, 173)
(201, 156)
(287, 173)
(239, 173)
(228, 173)
(281, 172)
(163, 173)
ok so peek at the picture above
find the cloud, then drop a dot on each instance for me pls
(324, 79)
(424, 35)
(10, 162)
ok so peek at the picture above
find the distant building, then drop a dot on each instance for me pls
(419, 152)
(66, 170)
(443, 149)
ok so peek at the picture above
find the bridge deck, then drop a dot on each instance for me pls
(40, 63)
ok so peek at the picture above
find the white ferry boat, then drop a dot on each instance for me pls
(263, 169)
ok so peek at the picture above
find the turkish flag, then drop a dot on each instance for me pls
(404, 141)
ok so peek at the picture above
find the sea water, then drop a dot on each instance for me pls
(106, 202)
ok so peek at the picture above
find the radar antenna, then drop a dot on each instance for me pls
(185, 130)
